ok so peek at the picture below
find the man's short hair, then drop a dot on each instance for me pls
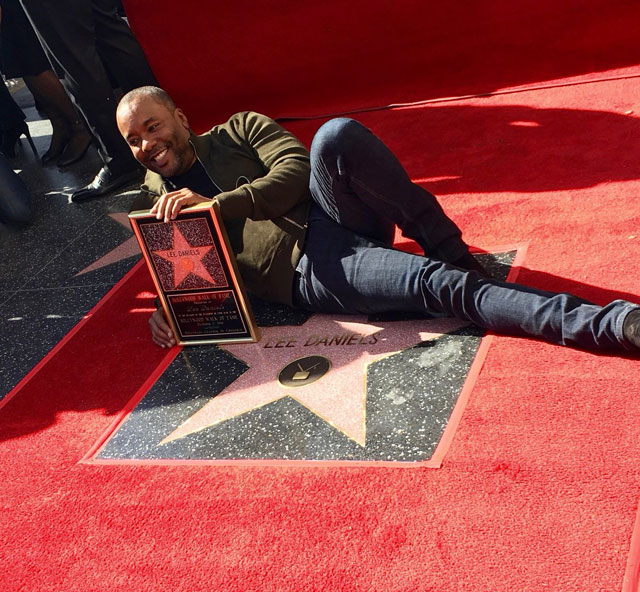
(153, 92)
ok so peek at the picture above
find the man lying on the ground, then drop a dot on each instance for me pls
(315, 230)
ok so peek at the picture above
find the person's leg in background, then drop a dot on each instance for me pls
(68, 30)
(15, 201)
(70, 138)
(12, 123)
(118, 48)
(23, 57)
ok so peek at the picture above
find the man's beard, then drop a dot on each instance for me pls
(181, 160)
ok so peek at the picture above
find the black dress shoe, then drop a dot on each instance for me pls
(106, 182)
(631, 328)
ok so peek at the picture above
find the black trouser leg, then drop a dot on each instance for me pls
(11, 116)
(73, 31)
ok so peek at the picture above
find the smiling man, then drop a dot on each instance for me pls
(168, 151)
(315, 230)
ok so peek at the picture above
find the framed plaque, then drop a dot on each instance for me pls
(195, 273)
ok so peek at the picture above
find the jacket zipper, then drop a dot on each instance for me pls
(300, 226)
(205, 168)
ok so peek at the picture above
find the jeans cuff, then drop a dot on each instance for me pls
(620, 323)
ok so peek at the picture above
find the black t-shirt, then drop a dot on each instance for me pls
(196, 179)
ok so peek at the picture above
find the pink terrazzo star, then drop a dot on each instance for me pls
(339, 397)
(129, 248)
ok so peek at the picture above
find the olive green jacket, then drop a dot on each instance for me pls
(263, 173)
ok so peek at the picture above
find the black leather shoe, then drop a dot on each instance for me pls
(631, 328)
(106, 182)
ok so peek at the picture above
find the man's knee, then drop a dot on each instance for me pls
(16, 214)
(15, 200)
(337, 136)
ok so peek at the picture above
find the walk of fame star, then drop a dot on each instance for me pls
(314, 389)
(129, 248)
(338, 397)
(185, 258)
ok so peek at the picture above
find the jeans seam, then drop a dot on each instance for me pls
(620, 323)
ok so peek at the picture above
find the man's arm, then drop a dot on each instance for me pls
(286, 159)
(284, 186)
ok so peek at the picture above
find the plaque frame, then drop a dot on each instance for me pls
(236, 323)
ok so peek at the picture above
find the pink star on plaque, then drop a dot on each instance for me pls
(339, 348)
(185, 258)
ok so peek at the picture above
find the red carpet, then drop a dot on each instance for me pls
(539, 489)
(288, 58)
(540, 486)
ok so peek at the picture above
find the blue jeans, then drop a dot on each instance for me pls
(15, 201)
(349, 267)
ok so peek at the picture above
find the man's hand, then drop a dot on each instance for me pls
(160, 330)
(169, 204)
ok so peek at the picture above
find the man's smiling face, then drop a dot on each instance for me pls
(157, 136)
